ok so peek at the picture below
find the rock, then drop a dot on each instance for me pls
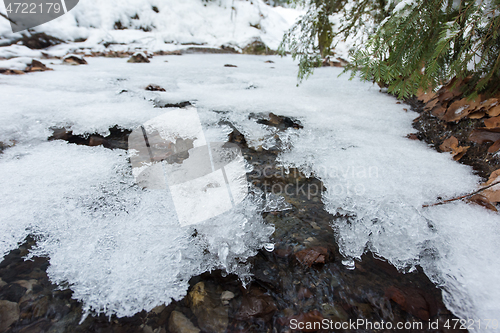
(75, 60)
(95, 140)
(312, 256)
(40, 41)
(269, 62)
(304, 293)
(139, 57)
(280, 122)
(9, 314)
(178, 323)
(147, 329)
(12, 292)
(2, 282)
(154, 87)
(40, 307)
(37, 66)
(256, 304)
(229, 65)
(212, 317)
(26, 284)
(258, 47)
(159, 309)
(410, 301)
(226, 296)
(6, 71)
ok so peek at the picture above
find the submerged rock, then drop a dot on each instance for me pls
(256, 304)
(179, 323)
(9, 313)
(211, 315)
(226, 296)
(312, 256)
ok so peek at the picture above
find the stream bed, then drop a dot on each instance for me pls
(299, 278)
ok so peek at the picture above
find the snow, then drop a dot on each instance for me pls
(117, 261)
(19, 63)
(177, 25)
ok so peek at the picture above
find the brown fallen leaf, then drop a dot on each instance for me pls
(492, 122)
(482, 135)
(451, 145)
(446, 96)
(431, 104)
(448, 144)
(426, 96)
(438, 111)
(460, 109)
(477, 115)
(494, 111)
(494, 147)
(493, 193)
(481, 200)
(489, 103)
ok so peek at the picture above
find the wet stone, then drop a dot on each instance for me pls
(12, 292)
(313, 256)
(226, 296)
(117, 139)
(179, 323)
(256, 304)
(212, 316)
(9, 314)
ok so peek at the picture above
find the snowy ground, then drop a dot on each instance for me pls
(92, 221)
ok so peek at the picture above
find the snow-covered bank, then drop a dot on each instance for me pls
(159, 25)
(353, 139)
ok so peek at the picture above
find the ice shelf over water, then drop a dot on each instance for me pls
(117, 246)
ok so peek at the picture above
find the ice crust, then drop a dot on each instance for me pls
(118, 247)
(82, 203)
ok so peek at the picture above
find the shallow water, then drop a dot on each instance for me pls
(303, 279)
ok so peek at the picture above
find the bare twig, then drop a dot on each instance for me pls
(462, 197)
(7, 18)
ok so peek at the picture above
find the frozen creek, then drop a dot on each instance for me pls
(118, 250)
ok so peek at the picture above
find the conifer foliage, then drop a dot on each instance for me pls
(410, 44)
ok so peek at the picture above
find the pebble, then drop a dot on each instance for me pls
(226, 296)
(179, 323)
